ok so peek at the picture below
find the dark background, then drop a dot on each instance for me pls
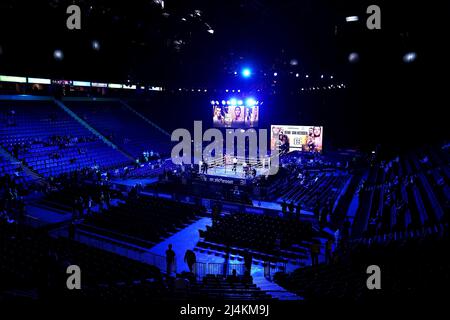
(385, 100)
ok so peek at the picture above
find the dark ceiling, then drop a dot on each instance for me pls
(141, 41)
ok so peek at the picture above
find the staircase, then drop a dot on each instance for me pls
(91, 129)
(9, 157)
(140, 115)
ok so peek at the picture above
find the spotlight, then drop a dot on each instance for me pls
(293, 62)
(275, 74)
(297, 75)
(240, 102)
(58, 54)
(321, 76)
(223, 102)
(211, 31)
(233, 102)
(250, 102)
(212, 102)
(353, 57)
(246, 72)
(409, 57)
(95, 45)
(307, 76)
(351, 18)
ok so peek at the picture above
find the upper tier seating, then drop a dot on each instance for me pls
(50, 141)
(122, 126)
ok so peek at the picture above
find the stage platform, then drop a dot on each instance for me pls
(227, 172)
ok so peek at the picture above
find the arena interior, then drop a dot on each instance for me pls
(197, 153)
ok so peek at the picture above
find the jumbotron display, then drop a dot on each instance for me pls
(287, 138)
(236, 113)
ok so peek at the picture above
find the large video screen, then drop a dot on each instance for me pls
(290, 138)
(235, 113)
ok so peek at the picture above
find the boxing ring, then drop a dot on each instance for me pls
(236, 167)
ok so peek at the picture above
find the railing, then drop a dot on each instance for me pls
(271, 268)
(203, 268)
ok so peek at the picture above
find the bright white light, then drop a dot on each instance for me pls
(58, 54)
(246, 72)
(223, 102)
(226, 90)
(307, 76)
(250, 102)
(212, 102)
(353, 57)
(321, 76)
(211, 31)
(233, 102)
(240, 102)
(351, 18)
(297, 75)
(275, 74)
(409, 57)
(95, 45)
(331, 77)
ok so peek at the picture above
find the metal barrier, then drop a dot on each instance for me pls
(217, 268)
(271, 268)
(202, 268)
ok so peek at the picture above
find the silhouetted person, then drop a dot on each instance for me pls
(315, 251)
(284, 206)
(233, 278)
(190, 259)
(170, 259)
(248, 259)
(291, 207)
(298, 209)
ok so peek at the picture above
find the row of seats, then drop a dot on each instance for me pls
(147, 218)
(409, 192)
(272, 235)
(410, 269)
(131, 133)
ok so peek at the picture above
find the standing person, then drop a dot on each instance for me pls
(291, 207)
(298, 209)
(315, 251)
(248, 259)
(170, 259)
(190, 259)
(89, 205)
(101, 201)
(284, 206)
(235, 161)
